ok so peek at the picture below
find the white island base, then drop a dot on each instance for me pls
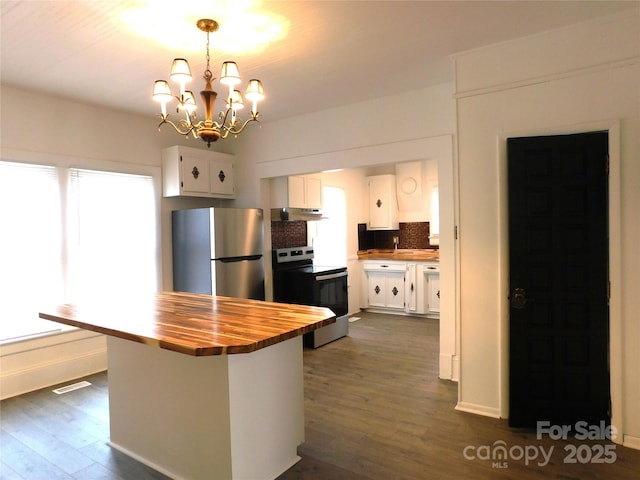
(214, 417)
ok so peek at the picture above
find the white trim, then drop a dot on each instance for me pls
(455, 365)
(145, 461)
(438, 146)
(449, 367)
(576, 72)
(49, 360)
(631, 442)
(477, 409)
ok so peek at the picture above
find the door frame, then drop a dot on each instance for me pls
(615, 259)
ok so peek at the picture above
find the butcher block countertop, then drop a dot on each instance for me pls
(401, 255)
(193, 324)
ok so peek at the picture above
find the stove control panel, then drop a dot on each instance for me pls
(292, 254)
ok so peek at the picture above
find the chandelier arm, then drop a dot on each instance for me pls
(189, 128)
(226, 130)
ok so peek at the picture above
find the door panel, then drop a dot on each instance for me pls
(558, 254)
(238, 278)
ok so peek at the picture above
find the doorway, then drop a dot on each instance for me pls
(558, 274)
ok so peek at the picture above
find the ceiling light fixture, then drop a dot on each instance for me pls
(207, 130)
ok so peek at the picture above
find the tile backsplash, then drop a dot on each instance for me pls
(411, 235)
(288, 234)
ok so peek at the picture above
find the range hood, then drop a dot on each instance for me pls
(291, 214)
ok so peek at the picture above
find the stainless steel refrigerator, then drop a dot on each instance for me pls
(218, 251)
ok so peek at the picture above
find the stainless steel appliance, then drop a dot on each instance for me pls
(218, 251)
(297, 280)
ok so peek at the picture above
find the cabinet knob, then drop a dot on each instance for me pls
(195, 172)
(379, 203)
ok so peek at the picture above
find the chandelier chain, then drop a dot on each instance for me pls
(207, 73)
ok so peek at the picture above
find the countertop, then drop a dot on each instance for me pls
(193, 324)
(401, 255)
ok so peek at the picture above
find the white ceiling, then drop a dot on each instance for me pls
(335, 52)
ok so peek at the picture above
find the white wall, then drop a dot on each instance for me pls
(586, 77)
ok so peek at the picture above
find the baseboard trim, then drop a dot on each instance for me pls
(52, 372)
(144, 461)
(455, 362)
(631, 442)
(478, 409)
(449, 367)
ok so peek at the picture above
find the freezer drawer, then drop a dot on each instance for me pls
(238, 277)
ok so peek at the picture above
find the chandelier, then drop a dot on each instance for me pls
(228, 122)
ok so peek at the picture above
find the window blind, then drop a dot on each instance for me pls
(70, 235)
(30, 246)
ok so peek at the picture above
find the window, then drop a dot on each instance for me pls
(30, 246)
(330, 235)
(435, 212)
(112, 249)
(71, 234)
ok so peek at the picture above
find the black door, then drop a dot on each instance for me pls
(558, 255)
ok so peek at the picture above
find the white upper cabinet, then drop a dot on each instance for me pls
(416, 182)
(192, 172)
(296, 191)
(383, 204)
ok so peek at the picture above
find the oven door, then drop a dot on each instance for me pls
(330, 290)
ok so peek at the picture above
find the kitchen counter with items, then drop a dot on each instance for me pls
(401, 255)
(202, 385)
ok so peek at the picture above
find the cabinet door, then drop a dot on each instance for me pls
(395, 290)
(377, 286)
(314, 192)
(296, 193)
(433, 293)
(411, 289)
(378, 203)
(222, 181)
(194, 175)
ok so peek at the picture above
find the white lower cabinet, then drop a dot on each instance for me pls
(432, 288)
(402, 287)
(385, 284)
(414, 288)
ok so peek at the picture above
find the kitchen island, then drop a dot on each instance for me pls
(203, 387)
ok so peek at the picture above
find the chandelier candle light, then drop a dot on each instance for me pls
(207, 130)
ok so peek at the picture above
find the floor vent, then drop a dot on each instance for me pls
(70, 388)
(354, 319)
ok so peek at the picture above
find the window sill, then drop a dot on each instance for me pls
(33, 332)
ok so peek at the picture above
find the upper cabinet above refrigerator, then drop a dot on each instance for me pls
(297, 191)
(192, 172)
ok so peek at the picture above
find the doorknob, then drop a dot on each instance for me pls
(520, 299)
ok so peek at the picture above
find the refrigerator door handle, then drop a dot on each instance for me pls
(238, 259)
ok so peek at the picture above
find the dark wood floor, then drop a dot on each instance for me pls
(374, 408)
